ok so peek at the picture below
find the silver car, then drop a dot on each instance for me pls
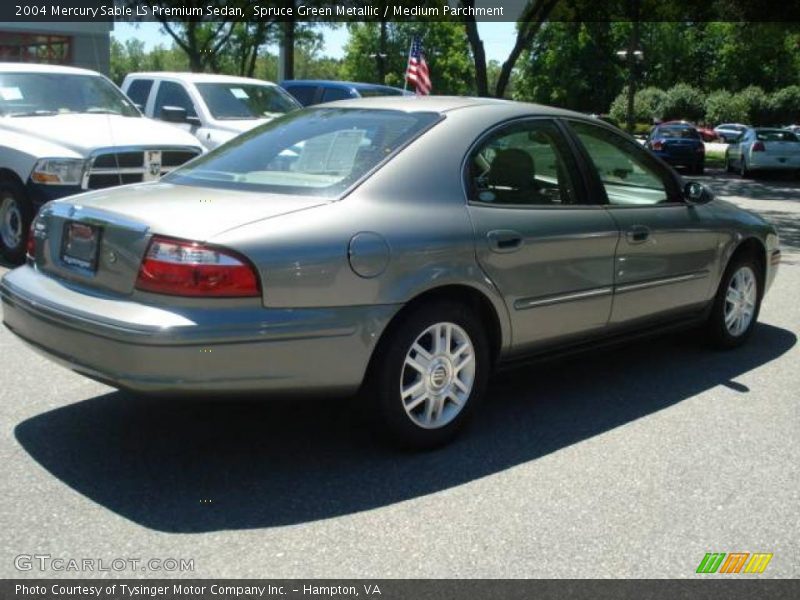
(763, 149)
(399, 248)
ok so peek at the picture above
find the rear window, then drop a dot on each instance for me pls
(775, 135)
(317, 151)
(679, 132)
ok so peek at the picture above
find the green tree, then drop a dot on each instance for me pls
(785, 105)
(570, 65)
(446, 52)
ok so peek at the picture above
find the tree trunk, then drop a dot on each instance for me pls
(478, 52)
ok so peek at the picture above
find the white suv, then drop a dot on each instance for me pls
(215, 108)
(64, 131)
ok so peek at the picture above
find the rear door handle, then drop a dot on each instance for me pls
(637, 234)
(504, 240)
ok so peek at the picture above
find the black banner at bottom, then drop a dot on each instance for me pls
(398, 589)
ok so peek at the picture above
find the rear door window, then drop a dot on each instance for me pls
(139, 90)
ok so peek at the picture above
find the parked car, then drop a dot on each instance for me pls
(728, 132)
(793, 128)
(706, 134)
(763, 148)
(65, 130)
(214, 108)
(316, 91)
(408, 249)
(678, 144)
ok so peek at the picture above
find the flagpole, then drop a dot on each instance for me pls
(408, 62)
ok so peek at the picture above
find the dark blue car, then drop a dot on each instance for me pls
(316, 91)
(678, 144)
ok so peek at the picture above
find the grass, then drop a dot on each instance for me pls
(715, 157)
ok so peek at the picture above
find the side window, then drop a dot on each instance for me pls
(626, 171)
(173, 94)
(138, 91)
(526, 163)
(303, 93)
(332, 94)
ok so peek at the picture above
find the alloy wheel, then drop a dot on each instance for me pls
(438, 375)
(740, 301)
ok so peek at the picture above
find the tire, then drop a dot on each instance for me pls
(16, 214)
(430, 415)
(743, 170)
(725, 332)
(699, 168)
(728, 165)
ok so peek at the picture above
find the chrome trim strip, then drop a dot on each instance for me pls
(526, 303)
(659, 282)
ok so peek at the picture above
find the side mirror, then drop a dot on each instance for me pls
(173, 114)
(696, 193)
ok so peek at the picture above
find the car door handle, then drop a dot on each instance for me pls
(504, 240)
(638, 234)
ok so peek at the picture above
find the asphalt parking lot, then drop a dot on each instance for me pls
(631, 462)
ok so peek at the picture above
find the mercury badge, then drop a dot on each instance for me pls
(152, 165)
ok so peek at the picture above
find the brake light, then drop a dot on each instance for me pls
(658, 145)
(758, 147)
(183, 268)
(30, 246)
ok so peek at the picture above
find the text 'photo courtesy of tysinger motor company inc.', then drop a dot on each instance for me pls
(399, 299)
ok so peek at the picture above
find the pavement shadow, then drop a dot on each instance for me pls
(199, 466)
(773, 185)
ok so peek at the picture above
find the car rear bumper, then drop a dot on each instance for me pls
(201, 350)
(761, 160)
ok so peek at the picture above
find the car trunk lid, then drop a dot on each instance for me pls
(99, 239)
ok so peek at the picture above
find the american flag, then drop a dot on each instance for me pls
(417, 71)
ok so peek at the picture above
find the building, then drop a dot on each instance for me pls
(82, 44)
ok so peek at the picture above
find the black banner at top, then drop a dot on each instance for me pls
(396, 10)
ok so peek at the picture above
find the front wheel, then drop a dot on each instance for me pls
(737, 303)
(429, 374)
(15, 219)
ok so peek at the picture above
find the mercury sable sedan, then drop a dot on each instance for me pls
(396, 247)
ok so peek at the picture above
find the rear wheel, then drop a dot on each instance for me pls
(743, 170)
(728, 164)
(15, 219)
(737, 303)
(429, 375)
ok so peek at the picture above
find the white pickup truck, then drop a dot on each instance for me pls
(65, 130)
(215, 108)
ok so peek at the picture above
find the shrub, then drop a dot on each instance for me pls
(646, 106)
(724, 107)
(683, 101)
(784, 106)
(756, 105)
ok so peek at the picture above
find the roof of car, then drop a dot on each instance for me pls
(12, 67)
(198, 77)
(339, 84)
(442, 104)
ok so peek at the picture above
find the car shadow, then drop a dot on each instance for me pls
(199, 466)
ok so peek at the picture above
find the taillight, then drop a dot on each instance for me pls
(30, 246)
(658, 145)
(758, 147)
(183, 268)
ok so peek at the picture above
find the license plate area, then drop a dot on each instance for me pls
(80, 245)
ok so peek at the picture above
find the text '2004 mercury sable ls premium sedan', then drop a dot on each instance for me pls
(400, 247)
